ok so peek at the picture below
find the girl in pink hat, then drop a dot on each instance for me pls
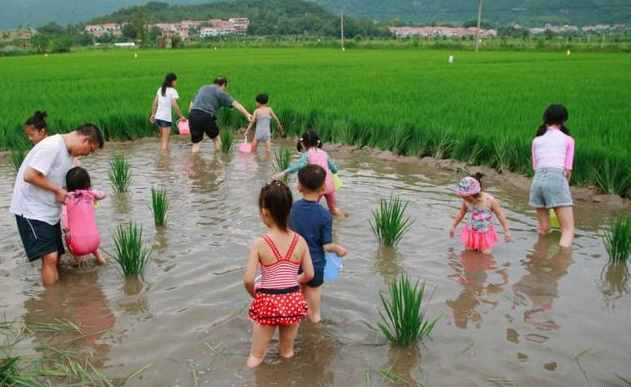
(479, 233)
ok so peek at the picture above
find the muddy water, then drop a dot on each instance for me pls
(529, 315)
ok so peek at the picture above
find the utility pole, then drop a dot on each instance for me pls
(342, 29)
(477, 33)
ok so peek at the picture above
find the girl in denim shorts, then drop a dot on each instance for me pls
(552, 160)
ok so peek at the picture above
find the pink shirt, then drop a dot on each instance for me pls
(554, 149)
(79, 220)
(319, 157)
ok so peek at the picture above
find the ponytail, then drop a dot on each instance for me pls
(308, 140)
(554, 115)
(38, 120)
(168, 81)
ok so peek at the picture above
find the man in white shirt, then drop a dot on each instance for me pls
(39, 194)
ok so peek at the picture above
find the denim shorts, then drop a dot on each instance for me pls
(550, 189)
(163, 124)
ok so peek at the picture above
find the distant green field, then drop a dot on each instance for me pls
(483, 109)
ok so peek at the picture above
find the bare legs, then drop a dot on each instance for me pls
(261, 336)
(566, 221)
(312, 296)
(164, 138)
(50, 268)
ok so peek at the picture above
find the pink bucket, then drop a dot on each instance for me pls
(245, 146)
(183, 128)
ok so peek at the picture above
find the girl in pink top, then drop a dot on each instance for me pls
(78, 216)
(552, 161)
(277, 302)
(311, 146)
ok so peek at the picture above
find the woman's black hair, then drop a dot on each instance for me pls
(168, 81)
(38, 120)
(554, 115)
(308, 140)
(276, 198)
(77, 178)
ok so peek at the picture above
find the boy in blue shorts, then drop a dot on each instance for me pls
(314, 223)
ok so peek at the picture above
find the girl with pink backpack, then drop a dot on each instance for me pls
(78, 216)
(311, 147)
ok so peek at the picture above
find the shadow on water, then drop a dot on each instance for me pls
(471, 271)
(538, 289)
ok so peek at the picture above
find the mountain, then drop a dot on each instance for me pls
(527, 12)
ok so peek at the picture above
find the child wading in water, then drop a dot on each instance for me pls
(82, 235)
(479, 233)
(263, 118)
(277, 299)
(309, 219)
(35, 128)
(311, 145)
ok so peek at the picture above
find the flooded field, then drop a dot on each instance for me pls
(529, 316)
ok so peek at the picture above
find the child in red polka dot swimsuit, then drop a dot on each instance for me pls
(277, 299)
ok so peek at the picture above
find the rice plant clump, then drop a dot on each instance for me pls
(17, 157)
(130, 253)
(160, 205)
(404, 321)
(389, 222)
(282, 159)
(617, 239)
(227, 140)
(120, 173)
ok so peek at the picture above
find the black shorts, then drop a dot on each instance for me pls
(163, 124)
(201, 122)
(39, 238)
(318, 275)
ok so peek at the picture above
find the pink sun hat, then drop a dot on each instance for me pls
(468, 186)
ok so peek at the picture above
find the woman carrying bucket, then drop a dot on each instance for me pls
(165, 99)
(204, 108)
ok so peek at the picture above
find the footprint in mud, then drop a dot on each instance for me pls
(512, 336)
(552, 366)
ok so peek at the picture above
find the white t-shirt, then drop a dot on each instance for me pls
(164, 104)
(51, 158)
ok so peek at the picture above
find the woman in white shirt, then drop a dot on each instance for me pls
(165, 99)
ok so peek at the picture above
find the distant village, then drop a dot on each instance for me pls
(185, 29)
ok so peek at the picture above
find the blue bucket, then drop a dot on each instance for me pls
(332, 267)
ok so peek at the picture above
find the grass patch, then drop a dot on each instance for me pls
(389, 221)
(159, 205)
(227, 140)
(617, 239)
(120, 173)
(130, 253)
(404, 321)
(282, 159)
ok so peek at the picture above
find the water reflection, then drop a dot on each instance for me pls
(614, 282)
(472, 272)
(404, 366)
(538, 289)
(77, 298)
(388, 264)
(135, 296)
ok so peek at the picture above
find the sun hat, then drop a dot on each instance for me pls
(468, 186)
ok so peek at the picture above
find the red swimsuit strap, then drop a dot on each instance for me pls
(290, 251)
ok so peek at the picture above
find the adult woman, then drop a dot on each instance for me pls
(552, 159)
(165, 99)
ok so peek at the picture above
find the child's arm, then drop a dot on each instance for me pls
(499, 212)
(154, 109)
(332, 166)
(327, 238)
(280, 126)
(98, 195)
(294, 167)
(177, 109)
(307, 265)
(569, 158)
(64, 217)
(461, 214)
(249, 278)
(335, 248)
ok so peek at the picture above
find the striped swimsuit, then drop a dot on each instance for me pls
(278, 300)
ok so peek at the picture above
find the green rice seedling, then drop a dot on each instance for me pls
(282, 159)
(227, 140)
(617, 239)
(612, 179)
(389, 221)
(404, 321)
(17, 157)
(120, 173)
(129, 251)
(160, 205)
(502, 154)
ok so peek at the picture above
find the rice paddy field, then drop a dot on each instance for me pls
(484, 108)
